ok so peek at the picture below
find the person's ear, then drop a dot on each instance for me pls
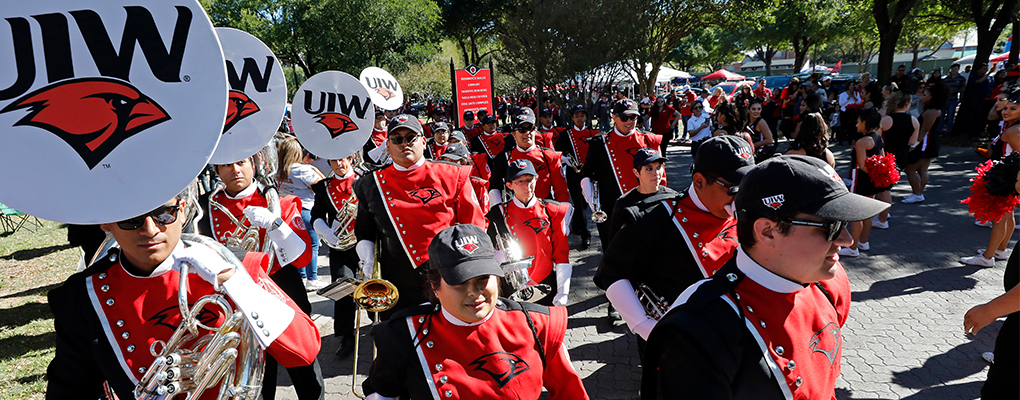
(699, 181)
(766, 231)
(637, 172)
(107, 227)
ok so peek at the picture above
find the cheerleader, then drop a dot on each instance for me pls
(864, 179)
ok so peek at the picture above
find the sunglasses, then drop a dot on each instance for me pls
(834, 227)
(402, 139)
(626, 118)
(731, 190)
(525, 129)
(164, 215)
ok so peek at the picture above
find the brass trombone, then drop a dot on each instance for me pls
(373, 295)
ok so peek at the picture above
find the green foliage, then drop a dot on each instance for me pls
(707, 50)
(470, 24)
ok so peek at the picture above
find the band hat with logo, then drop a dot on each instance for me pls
(469, 115)
(786, 185)
(626, 107)
(404, 121)
(462, 252)
(545, 112)
(519, 168)
(578, 108)
(459, 136)
(489, 119)
(441, 126)
(647, 156)
(456, 152)
(526, 116)
(727, 156)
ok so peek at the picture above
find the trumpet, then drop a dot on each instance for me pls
(573, 163)
(228, 357)
(515, 272)
(597, 215)
(655, 306)
(344, 222)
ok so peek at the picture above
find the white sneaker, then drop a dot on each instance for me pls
(999, 254)
(986, 224)
(875, 223)
(979, 261)
(863, 246)
(988, 356)
(913, 198)
(848, 252)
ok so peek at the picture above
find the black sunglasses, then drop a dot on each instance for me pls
(523, 129)
(834, 227)
(626, 118)
(401, 139)
(164, 215)
(730, 189)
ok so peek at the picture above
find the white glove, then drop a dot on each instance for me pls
(621, 294)
(366, 252)
(289, 245)
(563, 272)
(560, 299)
(495, 197)
(260, 216)
(588, 192)
(325, 232)
(203, 261)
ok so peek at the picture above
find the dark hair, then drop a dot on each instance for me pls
(813, 135)
(730, 111)
(901, 66)
(897, 101)
(813, 102)
(939, 96)
(872, 119)
(433, 281)
(745, 228)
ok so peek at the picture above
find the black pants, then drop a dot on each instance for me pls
(307, 379)
(666, 137)
(343, 264)
(1002, 375)
(578, 224)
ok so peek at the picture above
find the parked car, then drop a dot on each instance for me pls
(729, 88)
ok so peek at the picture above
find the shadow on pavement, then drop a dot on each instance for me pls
(960, 362)
(935, 280)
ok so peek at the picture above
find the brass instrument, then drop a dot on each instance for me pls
(373, 295)
(574, 163)
(597, 215)
(515, 272)
(228, 359)
(247, 237)
(343, 223)
(655, 306)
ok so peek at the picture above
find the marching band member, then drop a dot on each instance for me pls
(332, 195)
(768, 324)
(470, 128)
(458, 154)
(374, 152)
(649, 166)
(487, 147)
(461, 344)
(551, 182)
(573, 143)
(540, 228)
(547, 135)
(107, 316)
(607, 161)
(699, 218)
(435, 146)
(244, 214)
(402, 206)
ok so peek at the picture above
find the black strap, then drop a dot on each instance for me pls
(534, 333)
(828, 296)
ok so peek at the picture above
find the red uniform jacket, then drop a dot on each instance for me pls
(492, 145)
(481, 188)
(433, 150)
(547, 137)
(106, 319)
(552, 183)
(540, 230)
(496, 359)
(471, 132)
(617, 151)
(378, 137)
(339, 190)
(480, 166)
(290, 211)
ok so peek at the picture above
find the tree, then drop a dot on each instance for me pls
(472, 25)
(889, 16)
(808, 23)
(920, 32)
(709, 48)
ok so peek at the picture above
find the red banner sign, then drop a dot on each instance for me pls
(473, 91)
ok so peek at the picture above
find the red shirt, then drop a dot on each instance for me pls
(223, 228)
(552, 184)
(546, 137)
(685, 110)
(662, 121)
(763, 92)
(541, 231)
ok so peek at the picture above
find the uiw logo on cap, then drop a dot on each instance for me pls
(467, 244)
(774, 202)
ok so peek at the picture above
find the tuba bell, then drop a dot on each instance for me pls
(228, 359)
(597, 215)
(515, 272)
(344, 225)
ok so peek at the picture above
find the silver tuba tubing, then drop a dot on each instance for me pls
(597, 215)
(345, 216)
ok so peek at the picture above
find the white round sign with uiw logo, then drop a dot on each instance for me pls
(384, 89)
(257, 99)
(332, 115)
(107, 109)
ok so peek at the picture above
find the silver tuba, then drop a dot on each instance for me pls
(228, 359)
(655, 306)
(515, 272)
(597, 215)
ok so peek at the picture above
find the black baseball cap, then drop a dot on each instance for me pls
(545, 112)
(404, 121)
(647, 156)
(441, 126)
(577, 108)
(518, 168)
(489, 119)
(462, 252)
(438, 110)
(456, 152)
(729, 157)
(625, 107)
(469, 115)
(783, 186)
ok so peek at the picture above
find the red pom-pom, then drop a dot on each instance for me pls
(882, 170)
(854, 106)
(984, 206)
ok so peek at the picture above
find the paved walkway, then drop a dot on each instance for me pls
(904, 337)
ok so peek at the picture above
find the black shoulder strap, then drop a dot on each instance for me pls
(828, 296)
(500, 223)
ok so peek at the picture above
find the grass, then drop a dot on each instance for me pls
(30, 265)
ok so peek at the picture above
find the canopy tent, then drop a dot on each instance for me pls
(625, 77)
(722, 75)
(992, 58)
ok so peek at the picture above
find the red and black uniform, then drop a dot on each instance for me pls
(747, 333)
(330, 195)
(573, 142)
(610, 164)
(402, 209)
(552, 184)
(435, 150)
(546, 136)
(485, 149)
(106, 317)
(471, 132)
(540, 229)
(426, 353)
(285, 273)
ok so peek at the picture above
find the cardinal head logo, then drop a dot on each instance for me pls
(827, 341)
(774, 202)
(424, 194)
(92, 115)
(337, 124)
(239, 106)
(537, 224)
(385, 93)
(501, 366)
(467, 244)
(633, 151)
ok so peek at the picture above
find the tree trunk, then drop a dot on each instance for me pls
(799, 53)
(914, 50)
(886, 50)
(1014, 50)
